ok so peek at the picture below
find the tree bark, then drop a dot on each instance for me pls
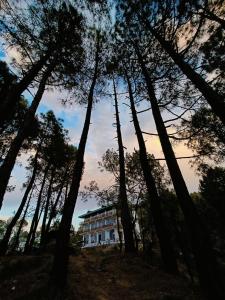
(34, 223)
(54, 207)
(5, 241)
(12, 97)
(125, 212)
(118, 229)
(33, 233)
(46, 209)
(207, 266)
(9, 162)
(214, 99)
(167, 251)
(59, 271)
(134, 223)
(142, 232)
(183, 245)
(16, 243)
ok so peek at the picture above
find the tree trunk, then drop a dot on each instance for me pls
(9, 162)
(134, 222)
(33, 235)
(167, 251)
(207, 265)
(46, 210)
(17, 239)
(183, 245)
(67, 189)
(5, 241)
(214, 99)
(136, 239)
(34, 223)
(54, 207)
(12, 97)
(125, 212)
(118, 229)
(59, 271)
(142, 232)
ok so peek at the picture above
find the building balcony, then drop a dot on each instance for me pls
(104, 227)
(107, 242)
(99, 217)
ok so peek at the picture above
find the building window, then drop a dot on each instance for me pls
(86, 227)
(110, 221)
(112, 235)
(102, 223)
(93, 225)
(103, 235)
(86, 239)
(93, 238)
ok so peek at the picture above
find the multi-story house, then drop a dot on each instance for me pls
(100, 227)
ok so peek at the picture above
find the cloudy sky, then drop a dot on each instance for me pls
(101, 137)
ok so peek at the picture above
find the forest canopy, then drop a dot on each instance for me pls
(152, 71)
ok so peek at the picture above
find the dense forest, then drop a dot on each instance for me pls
(163, 59)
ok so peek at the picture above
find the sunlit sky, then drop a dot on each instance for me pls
(101, 137)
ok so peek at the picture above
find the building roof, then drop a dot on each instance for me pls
(96, 211)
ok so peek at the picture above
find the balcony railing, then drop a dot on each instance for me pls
(107, 242)
(100, 216)
(103, 227)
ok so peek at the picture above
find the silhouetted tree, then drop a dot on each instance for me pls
(166, 247)
(212, 188)
(65, 18)
(59, 271)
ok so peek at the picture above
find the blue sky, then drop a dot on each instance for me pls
(101, 137)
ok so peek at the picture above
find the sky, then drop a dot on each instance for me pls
(101, 137)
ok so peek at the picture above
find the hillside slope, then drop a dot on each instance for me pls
(95, 274)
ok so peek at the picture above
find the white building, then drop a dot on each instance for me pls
(100, 227)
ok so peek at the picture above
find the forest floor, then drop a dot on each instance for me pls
(94, 274)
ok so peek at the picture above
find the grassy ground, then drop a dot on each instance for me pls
(95, 274)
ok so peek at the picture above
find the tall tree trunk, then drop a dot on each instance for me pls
(142, 232)
(214, 99)
(207, 265)
(59, 272)
(134, 222)
(9, 162)
(184, 247)
(54, 207)
(118, 229)
(17, 239)
(12, 97)
(167, 251)
(46, 209)
(5, 241)
(33, 234)
(34, 223)
(125, 212)
(67, 189)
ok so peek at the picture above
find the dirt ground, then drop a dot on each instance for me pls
(95, 274)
